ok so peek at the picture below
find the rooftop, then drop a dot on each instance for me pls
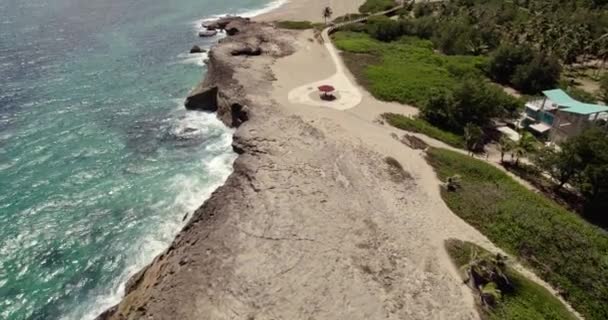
(568, 104)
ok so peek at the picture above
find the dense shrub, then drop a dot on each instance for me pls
(384, 28)
(524, 68)
(473, 101)
(297, 25)
(421, 126)
(541, 73)
(371, 6)
(422, 9)
(506, 59)
(458, 37)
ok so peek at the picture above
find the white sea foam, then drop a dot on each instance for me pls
(193, 58)
(243, 13)
(190, 190)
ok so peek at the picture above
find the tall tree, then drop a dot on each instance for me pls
(504, 145)
(473, 136)
(525, 145)
(327, 13)
(562, 164)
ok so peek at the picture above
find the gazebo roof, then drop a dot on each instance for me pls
(567, 104)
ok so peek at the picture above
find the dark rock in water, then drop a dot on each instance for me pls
(239, 114)
(189, 130)
(196, 49)
(223, 22)
(207, 33)
(204, 99)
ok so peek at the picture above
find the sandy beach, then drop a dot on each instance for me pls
(310, 10)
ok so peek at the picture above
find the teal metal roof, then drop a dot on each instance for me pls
(567, 104)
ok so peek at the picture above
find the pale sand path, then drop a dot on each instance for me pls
(349, 94)
(310, 10)
(426, 209)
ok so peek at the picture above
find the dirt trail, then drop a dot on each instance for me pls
(425, 209)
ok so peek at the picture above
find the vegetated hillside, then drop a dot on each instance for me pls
(566, 251)
(518, 298)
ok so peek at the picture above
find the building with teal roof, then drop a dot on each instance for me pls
(557, 116)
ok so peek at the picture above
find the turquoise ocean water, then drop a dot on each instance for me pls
(99, 161)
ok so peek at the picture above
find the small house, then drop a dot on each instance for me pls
(557, 116)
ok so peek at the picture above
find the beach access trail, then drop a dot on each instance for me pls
(355, 121)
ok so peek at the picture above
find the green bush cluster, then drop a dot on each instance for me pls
(450, 90)
(582, 162)
(372, 6)
(421, 126)
(298, 25)
(407, 70)
(524, 68)
(567, 252)
(473, 101)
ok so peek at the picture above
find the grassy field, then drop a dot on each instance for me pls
(421, 126)
(567, 252)
(528, 299)
(407, 70)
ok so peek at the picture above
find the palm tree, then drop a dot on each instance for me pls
(487, 274)
(504, 145)
(525, 145)
(472, 136)
(327, 13)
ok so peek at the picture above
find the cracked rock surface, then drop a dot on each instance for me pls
(308, 226)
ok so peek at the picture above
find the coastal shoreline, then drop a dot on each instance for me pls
(309, 10)
(294, 232)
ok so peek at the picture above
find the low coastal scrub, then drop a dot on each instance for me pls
(566, 251)
(407, 70)
(371, 6)
(421, 126)
(298, 25)
(504, 293)
(349, 17)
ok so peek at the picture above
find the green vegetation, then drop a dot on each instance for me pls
(349, 17)
(525, 69)
(421, 126)
(298, 25)
(450, 90)
(528, 41)
(523, 299)
(371, 6)
(582, 161)
(580, 94)
(567, 252)
(473, 101)
(604, 88)
(407, 70)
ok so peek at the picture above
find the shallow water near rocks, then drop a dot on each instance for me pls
(99, 161)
